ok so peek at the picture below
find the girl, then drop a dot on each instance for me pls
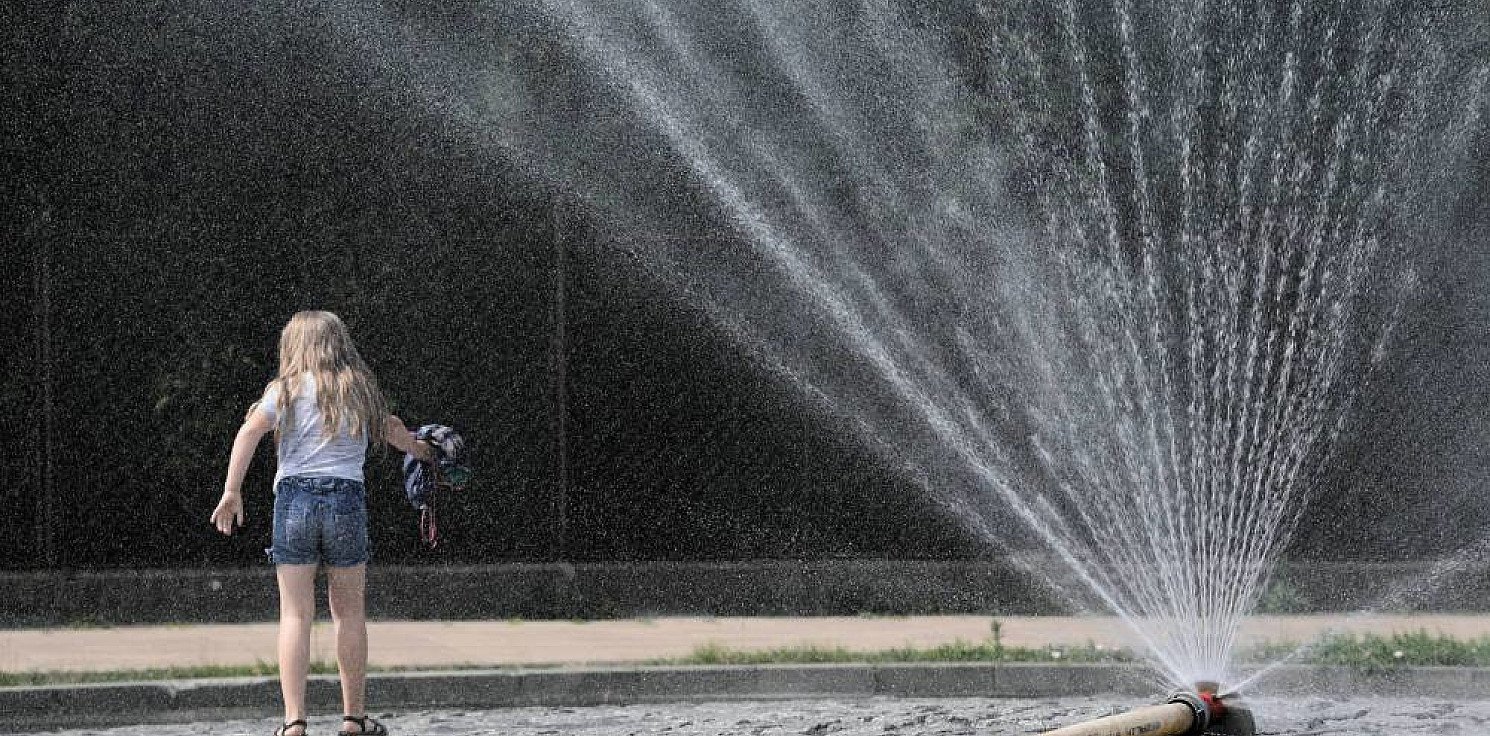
(324, 407)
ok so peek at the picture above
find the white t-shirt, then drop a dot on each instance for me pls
(303, 448)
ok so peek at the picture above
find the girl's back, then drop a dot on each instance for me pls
(304, 447)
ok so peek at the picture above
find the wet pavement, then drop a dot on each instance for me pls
(973, 717)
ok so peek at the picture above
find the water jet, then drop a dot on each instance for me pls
(1144, 276)
(1201, 712)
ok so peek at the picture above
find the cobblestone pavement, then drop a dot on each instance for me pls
(973, 717)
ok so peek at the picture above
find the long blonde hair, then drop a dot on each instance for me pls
(347, 394)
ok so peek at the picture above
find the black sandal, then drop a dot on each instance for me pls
(281, 731)
(362, 730)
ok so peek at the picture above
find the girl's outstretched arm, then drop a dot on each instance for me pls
(401, 438)
(229, 511)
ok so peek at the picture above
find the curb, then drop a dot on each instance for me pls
(184, 701)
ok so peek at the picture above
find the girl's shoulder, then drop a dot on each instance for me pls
(269, 399)
(305, 383)
(303, 386)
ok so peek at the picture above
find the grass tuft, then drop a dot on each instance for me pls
(1376, 652)
(259, 669)
(958, 651)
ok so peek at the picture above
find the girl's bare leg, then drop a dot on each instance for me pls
(297, 608)
(346, 587)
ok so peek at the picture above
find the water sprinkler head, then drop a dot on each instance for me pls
(1208, 692)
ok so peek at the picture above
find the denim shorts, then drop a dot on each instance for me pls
(319, 520)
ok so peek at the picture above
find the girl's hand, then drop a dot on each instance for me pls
(229, 513)
(400, 437)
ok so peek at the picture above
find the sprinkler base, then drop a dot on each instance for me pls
(1227, 714)
(1236, 720)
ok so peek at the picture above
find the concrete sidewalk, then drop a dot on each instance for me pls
(434, 644)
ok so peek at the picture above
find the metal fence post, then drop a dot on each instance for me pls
(559, 378)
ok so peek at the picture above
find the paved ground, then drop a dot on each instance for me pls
(1311, 716)
(437, 643)
(444, 643)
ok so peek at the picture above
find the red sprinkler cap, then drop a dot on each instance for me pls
(1213, 703)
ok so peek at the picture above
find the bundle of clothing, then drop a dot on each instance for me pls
(445, 470)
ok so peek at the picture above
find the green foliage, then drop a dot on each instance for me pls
(1374, 652)
(957, 651)
(1282, 597)
(258, 669)
(194, 404)
(1364, 652)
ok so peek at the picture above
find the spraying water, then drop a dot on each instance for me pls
(1216, 221)
(1102, 278)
